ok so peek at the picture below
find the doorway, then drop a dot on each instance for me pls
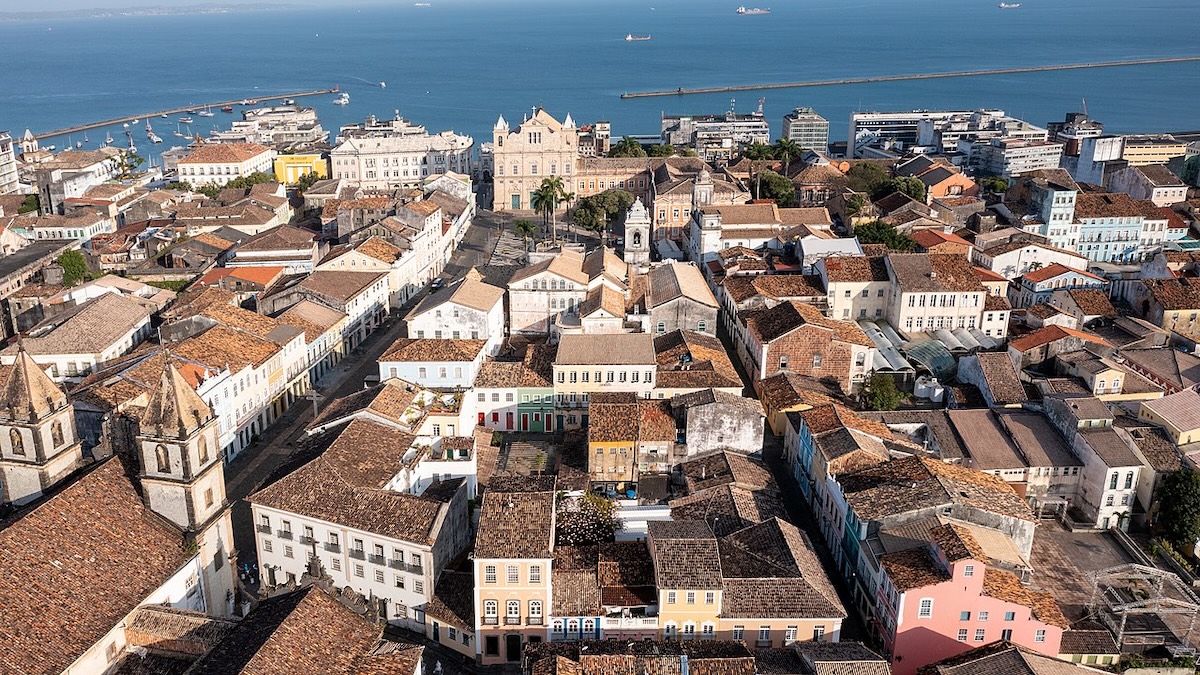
(512, 647)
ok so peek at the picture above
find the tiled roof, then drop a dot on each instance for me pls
(1050, 334)
(603, 298)
(856, 269)
(781, 550)
(311, 317)
(912, 569)
(1088, 641)
(1001, 378)
(221, 345)
(307, 631)
(685, 558)
(679, 280)
(501, 375)
(1175, 294)
(957, 543)
(913, 483)
(90, 328)
(730, 507)
(702, 354)
(224, 153)
(339, 285)
(423, 350)
(469, 293)
(775, 322)
(621, 349)
(516, 524)
(931, 238)
(613, 417)
(73, 567)
(281, 238)
(1004, 585)
(996, 303)
(724, 468)
(388, 399)
(1092, 302)
(1104, 205)
(1005, 658)
(936, 272)
(1056, 269)
(787, 389)
(575, 585)
(453, 599)
(345, 485)
(1181, 410)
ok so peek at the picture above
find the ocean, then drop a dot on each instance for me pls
(458, 64)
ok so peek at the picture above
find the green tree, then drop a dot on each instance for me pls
(909, 185)
(597, 212)
(1179, 508)
(590, 217)
(307, 181)
(29, 205)
(74, 267)
(526, 229)
(770, 185)
(855, 203)
(627, 147)
(993, 183)
(180, 185)
(787, 150)
(547, 197)
(659, 150)
(211, 191)
(127, 163)
(882, 394)
(865, 177)
(758, 152)
(879, 232)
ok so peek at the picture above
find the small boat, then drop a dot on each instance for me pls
(137, 122)
(227, 109)
(153, 137)
(185, 120)
(164, 116)
(126, 125)
(750, 11)
(342, 99)
(383, 85)
(421, 4)
(178, 133)
(289, 101)
(52, 148)
(1009, 5)
(630, 37)
(206, 112)
(108, 139)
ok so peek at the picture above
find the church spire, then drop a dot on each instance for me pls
(175, 409)
(30, 393)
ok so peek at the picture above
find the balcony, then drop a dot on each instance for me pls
(283, 534)
(358, 554)
(630, 622)
(396, 564)
(265, 529)
(534, 620)
(490, 621)
(375, 559)
(306, 540)
(512, 620)
(333, 548)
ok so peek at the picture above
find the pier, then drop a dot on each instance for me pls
(684, 91)
(176, 111)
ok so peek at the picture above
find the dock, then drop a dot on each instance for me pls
(175, 111)
(684, 91)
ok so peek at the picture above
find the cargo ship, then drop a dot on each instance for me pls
(630, 37)
(752, 10)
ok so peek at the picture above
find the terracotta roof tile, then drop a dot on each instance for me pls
(1004, 585)
(517, 524)
(1049, 334)
(421, 350)
(224, 153)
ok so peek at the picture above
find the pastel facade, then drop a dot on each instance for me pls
(540, 147)
(289, 169)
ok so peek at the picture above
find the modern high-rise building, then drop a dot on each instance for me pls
(894, 128)
(807, 129)
(9, 181)
(716, 138)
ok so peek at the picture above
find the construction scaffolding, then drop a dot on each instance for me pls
(1145, 607)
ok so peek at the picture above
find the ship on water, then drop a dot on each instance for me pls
(1009, 5)
(744, 10)
(630, 37)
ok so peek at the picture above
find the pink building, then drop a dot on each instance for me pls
(951, 597)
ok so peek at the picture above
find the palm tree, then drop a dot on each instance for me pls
(787, 150)
(627, 147)
(548, 196)
(526, 229)
(543, 201)
(758, 152)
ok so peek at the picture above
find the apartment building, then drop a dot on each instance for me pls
(545, 292)
(392, 154)
(807, 129)
(716, 138)
(219, 163)
(9, 180)
(587, 364)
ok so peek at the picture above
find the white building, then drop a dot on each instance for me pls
(9, 180)
(469, 309)
(396, 153)
(374, 254)
(894, 129)
(382, 542)
(81, 225)
(806, 129)
(361, 296)
(69, 174)
(1015, 258)
(84, 337)
(429, 362)
(557, 285)
(1010, 157)
(219, 163)
(1152, 181)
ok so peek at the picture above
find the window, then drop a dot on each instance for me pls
(670, 597)
(968, 570)
(983, 616)
(708, 630)
(1108, 501)
(160, 453)
(267, 545)
(689, 630)
(962, 634)
(691, 597)
(208, 498)
(979, 634)
(816, 361)
(1010, 616)
(702, 326)
(1129, 480)
(379, 576)
(287, 551)
(490, 608)
(764, 633)
(1006, 634)
(535, 610)
(660, 327)
(535, 574)
(358, 570)
(818, 632)
(1112, 481)
(398, 581)
(1039, 635)
(789, 635)
(739, 632)
(710, 597)
(925, 609)
(670, 630)
(512, 574)
(513, 608)
(964, 616)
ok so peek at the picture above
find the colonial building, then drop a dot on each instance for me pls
(540, 147)
(552, 291)
(391, 154)
(219, 163)
(469, 309)
(586, 364)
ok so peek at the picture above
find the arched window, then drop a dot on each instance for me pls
(164, 459)
(589, 627)
(18, 446)
(535, 610)
(202, 447)
(1129, 480)
(490, 608)
(56, 433)
(514, 608)
(637, 238)
(689, 630)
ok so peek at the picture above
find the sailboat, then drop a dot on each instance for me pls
(178, 133)
(108, 139)
(150, 133)
(206, 112)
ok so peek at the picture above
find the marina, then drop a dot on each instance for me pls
(686, 91)
(175, 111)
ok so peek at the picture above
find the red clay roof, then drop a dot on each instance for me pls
(930, 238)
(1053, 270)
(224, 153)
(1049, 334)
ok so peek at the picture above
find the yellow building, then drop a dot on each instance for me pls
(291, 168)
(541, 147)
(628, 437)
(1156, 149)
(1178, 414)
(513, 558)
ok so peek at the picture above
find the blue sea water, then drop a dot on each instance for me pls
(460, 63)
